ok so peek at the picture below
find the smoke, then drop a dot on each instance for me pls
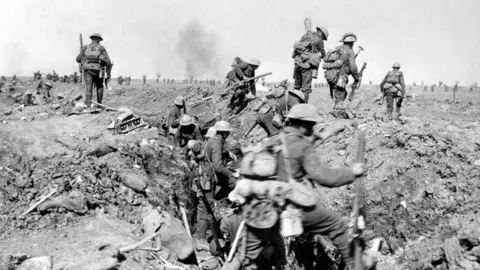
(199, 48)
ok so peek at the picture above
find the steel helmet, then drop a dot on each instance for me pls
(283, 83)
(324, 31)
(222, 126)
(186, 120)
(396, 65)
(211, 132)
(254, 62)
(96, 35)
(304, 112)
(179, 101)
(298, 94)
(349, 37)
(48, 84)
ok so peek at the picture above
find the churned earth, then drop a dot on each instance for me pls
(422, 190)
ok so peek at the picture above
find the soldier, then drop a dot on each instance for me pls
(306, 165)
(129, 80)
(14, 80)
(471, 88)
(393, 87)
(48, 87)
(337, 74)
(187, 131)
(272, 120)
(75, 77)
(120, 80)
(308, 53)
(217, 154)
(203, 171)
(94, 57)
(446, 88)
(432, 88)
(244, 71)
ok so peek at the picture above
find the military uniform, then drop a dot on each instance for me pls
(174, 116)
(186, 133)
(284, 102)
(393, 87)
(94, 57)
(303, 74)
(349, 67)
(238, 100)
(216, 152)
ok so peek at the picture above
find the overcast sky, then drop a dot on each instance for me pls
(433, 40)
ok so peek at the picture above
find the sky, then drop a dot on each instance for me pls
(434, 40)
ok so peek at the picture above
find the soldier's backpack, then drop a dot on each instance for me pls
(393, 77)
(333, 62)
(92, 56)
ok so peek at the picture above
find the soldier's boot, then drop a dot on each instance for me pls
(307, 95)
(389, 116)
(398, 112)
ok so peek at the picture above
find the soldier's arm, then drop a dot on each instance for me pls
(320, 48)
(383, 82)
(104, 52)
(353, 66)
(178, 138)
(217, 160)
(323, 175)
(198, 134)
(81, 55)
(239, 70)
(174, 118)
(402, 82)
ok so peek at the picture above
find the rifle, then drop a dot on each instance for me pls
(80, 68)
(358, 204)
(215, 226)
(250, 130)
(227, 91)
(352, 94)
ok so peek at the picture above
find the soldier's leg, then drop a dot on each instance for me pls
(203, 219)
(297, 76)
(255, 243)
(266, 122)
(390, 99)
(99, 84)
(399, 105)
(307, 83)
(340, 95)
(331, 224)
(88, 88)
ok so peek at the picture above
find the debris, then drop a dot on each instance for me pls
(8, 111)
(39, 202)
(37, 263)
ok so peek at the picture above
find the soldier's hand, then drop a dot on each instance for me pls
(359, 169)
(221, 242)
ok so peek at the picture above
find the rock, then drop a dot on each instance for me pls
(55, 106)
(135, 180)
(37, 263)
(75, 202)
(92, 263)
(12, 261)
(101, 150)
(7, 111)
(173, 235)
(60, 96)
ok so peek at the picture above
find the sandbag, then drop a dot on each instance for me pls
(260, 161)
(133, 180)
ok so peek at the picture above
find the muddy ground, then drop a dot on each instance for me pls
(422, 189)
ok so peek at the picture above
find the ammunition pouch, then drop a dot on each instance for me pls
(91, 66)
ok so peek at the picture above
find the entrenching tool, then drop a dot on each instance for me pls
(238, 235)
(358, 203)
(360, 48)
(196, 103)
(352, 94)
(227, 91)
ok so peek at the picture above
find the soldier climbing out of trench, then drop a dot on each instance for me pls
(301, 164)
(170, 123)
(393, 87)
(272, 118)
(243, 71)
(94, 58)
(187, 131)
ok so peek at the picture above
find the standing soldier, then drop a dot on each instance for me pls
(471, 88)
(393, 87)
(306, 167)
(48, 88)
(217, 154)
(93, 58)
(432, 88)
(187, 131)
(425, 89)
(120, 80)
(339, 63)
(273, 119)
(446, 88)
(174, 116)
(308, 53)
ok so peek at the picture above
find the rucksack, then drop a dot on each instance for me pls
(333, 62)
(261, 160)
(393, 77)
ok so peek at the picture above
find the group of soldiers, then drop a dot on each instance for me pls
(215, 162)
